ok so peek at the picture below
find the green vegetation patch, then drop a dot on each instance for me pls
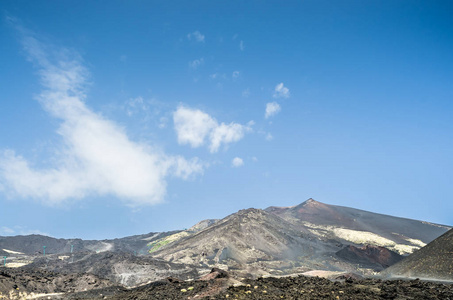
(157, 245)
(154, 246)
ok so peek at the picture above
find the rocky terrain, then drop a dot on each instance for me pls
(121, 268)
(302, 287)
(253, 241)
(22, 284)
(312, 239)
(219, 285)
(369, 257)
(287, 240)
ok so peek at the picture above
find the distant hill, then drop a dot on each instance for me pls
(434, 261)
(33, 244)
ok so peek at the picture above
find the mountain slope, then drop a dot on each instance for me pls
(358, 227)
(312, 235)
(371, 257)
(434, 261)
(250, 239)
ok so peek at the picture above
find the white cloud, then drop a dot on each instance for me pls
(195, 127)
(235, 74)
(192, 126)
(254, 159)
(96, 156)
(241, 45)
(196, 35)
(272, 108)
(281, 91)
(183, 168)
(196, 63)
(246, 93)
(237, 162)
(226, 134)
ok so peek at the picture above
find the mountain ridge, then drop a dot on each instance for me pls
(251, 242)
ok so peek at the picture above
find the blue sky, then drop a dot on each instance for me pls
(128, 117)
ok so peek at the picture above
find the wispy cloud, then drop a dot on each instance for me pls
(194, 64)
(96, 156)
(272, 108)
(237, 162)
(269, 137)
(246, 93)
(195, 127)
(218, 76)
(281, 91)
(235, 74)
(6, 230)
(162, 122)
(135, 105)
(196, 35)
(241, 45)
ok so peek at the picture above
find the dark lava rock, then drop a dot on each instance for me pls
(41, 281)
(112, 265)
(349, 277)
(319, 288)
(215, 274)
(369, 256)
(291, 288)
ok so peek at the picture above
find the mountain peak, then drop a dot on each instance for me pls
(311, 201)
(311, 204)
